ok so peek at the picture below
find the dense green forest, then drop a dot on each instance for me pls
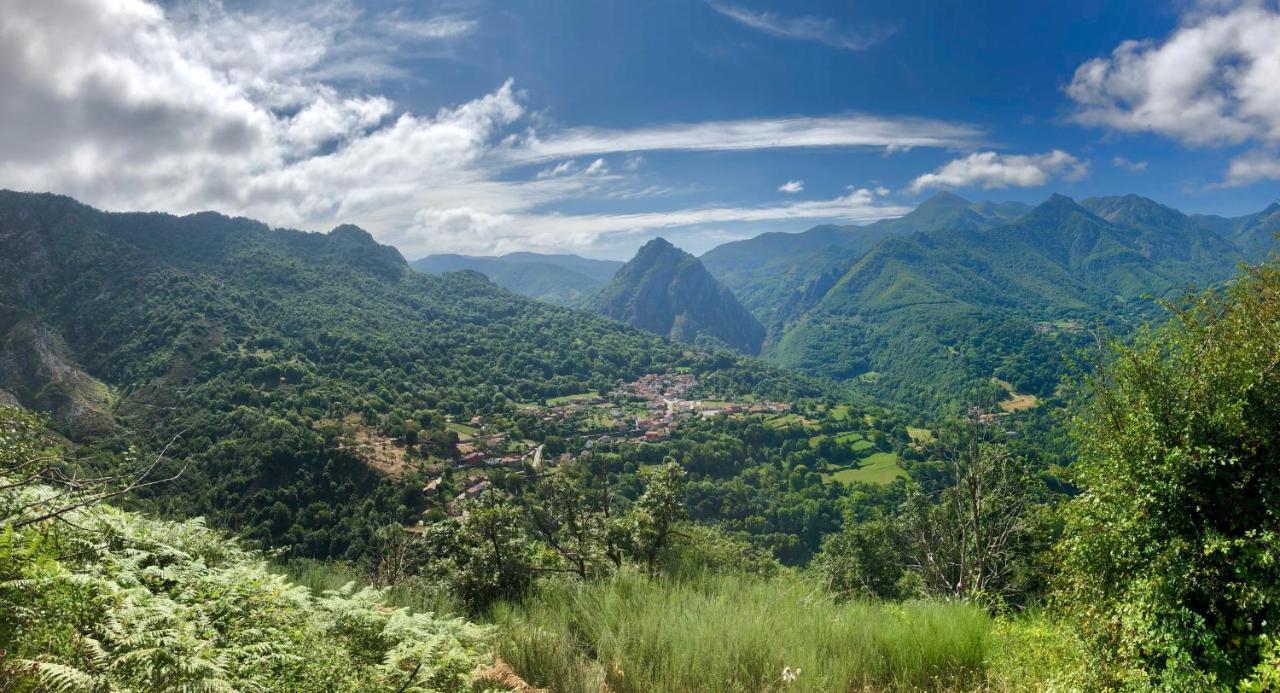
(639, 515)
(240, 349)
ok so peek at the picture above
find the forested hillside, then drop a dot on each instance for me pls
(779, 276)
(561, 279)
(269, 361)
(927, 309)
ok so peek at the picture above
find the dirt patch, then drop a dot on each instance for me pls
(384, 454)
(501, 674)
(1016, 402)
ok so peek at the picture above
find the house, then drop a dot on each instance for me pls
(654, 435)
(432, 487)
(472, 459)
(476, 489)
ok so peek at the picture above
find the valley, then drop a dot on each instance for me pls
(714, 346)
(325, 402)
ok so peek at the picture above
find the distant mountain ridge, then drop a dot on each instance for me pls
(930, 305)
(667, 291)
(779, 276)
(1254, 234)
(560, 279)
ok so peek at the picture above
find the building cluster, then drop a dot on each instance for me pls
(644, 411)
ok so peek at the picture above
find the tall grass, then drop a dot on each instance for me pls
(321, 576)
(736, 633)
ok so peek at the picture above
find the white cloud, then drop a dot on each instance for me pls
(560, 169)
(1129, 165)
(126, 105)
(851, 130)
(792, 186)
(1215, 81)
(1253, 166)
(992, 170)
(446, 27)
(551, 231)
(808, 28)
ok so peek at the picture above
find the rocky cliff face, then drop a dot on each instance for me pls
(667, 291)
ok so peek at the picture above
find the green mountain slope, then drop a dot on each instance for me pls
(559, 279)
(779, 276)
(250, 348)
(1253, 234)
(928, 319)
(667, 291)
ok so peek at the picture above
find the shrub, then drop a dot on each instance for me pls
(1172, 552)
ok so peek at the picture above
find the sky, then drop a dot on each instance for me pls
(492, 126)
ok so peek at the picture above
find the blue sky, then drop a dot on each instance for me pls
(590, 127)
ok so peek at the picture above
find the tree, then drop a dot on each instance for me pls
(571, 525)
(1172, 551)
(487, 557)
(27, 460)
(863, 559)
(967, 539)
(656, 512)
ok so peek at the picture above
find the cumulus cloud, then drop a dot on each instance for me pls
(1215, 81)
(128, 105)
(792, 186)
(1253, 166)
(992, 170)
(807, 28)
(1129, 165)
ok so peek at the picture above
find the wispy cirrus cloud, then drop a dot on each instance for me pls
(848, 130)
(822, 30)
(992, 170)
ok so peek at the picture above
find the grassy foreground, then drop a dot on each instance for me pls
(737, 632)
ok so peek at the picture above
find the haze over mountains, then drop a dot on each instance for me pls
(560, 279)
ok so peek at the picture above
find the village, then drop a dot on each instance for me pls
(642, 412)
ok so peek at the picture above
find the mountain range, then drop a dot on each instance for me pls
(253, 353)
(927, 307)
(559, 279)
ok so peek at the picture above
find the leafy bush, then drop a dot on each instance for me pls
(1172, 552)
